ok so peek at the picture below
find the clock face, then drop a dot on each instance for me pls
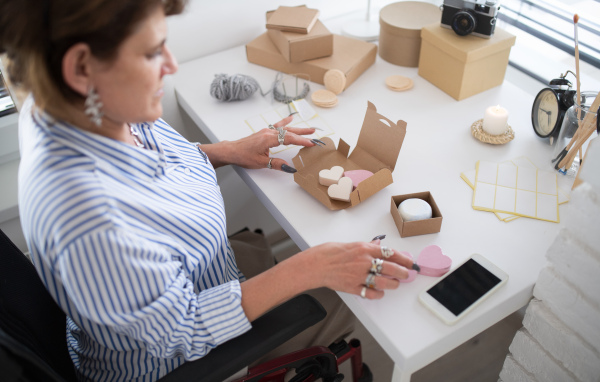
(544, 114)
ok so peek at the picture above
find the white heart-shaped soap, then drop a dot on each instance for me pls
(342, 190)
(331, 176)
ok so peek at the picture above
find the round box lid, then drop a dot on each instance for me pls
(408, 17)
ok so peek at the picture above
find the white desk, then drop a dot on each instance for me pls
(437, 148)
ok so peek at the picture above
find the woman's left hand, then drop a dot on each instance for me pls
(253, 150)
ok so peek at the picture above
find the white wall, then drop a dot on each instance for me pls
(560, 338)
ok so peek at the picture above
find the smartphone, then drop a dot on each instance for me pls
(459, 291)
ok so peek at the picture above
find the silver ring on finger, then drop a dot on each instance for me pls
(281, 135)
(363, 292)
(376, 266)
(272, 127)
(269, 164)
(370, 281)
(386, 252)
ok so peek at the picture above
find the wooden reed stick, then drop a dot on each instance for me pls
(575, 20)
(578, 102)
(577, 81)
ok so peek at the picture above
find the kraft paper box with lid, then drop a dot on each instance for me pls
(416, 227)
(463, 66)
(350, 55)
(377, 150)
(293, 19)
(298, 47)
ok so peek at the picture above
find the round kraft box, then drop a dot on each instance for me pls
(400, 30)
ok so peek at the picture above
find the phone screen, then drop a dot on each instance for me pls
(465, 285)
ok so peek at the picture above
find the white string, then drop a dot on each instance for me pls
(284, 95)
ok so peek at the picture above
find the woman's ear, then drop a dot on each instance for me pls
(76, 68)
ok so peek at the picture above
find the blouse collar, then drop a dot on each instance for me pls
(148, 162)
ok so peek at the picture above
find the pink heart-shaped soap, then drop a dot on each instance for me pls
(412, 274)
(357, 176)
(433, 262)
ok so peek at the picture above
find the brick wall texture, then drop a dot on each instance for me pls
(560, 337)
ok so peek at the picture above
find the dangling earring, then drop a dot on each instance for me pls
(93, 107)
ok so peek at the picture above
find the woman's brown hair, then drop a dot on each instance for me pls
(36, 34)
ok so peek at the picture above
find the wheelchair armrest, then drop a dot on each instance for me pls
(268, 331)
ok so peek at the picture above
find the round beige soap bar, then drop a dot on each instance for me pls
(399, 83)
(414, 209)
(324, 98)
(334, 81)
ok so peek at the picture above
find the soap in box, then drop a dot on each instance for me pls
(377, 150)
(416, 227)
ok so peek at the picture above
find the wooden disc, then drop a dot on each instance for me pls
(399, 83)
(328, 104)
(324, 98)
(335, 81)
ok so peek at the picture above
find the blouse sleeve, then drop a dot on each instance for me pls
(137, 288)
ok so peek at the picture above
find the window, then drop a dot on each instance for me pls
(545, 38)
(7, 105)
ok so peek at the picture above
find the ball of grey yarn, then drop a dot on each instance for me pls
(233, 88)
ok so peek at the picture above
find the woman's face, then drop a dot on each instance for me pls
(131, 87)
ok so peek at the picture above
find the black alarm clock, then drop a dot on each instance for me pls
(550, 106)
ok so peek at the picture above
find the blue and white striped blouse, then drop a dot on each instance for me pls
(132, 245)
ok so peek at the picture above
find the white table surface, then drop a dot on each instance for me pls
(438, 146)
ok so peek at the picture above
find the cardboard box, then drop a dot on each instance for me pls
(296, 47)
(400, 30)
(293, 19)
(377, 151)
(463, 66)
(350, 55)
(417, 227)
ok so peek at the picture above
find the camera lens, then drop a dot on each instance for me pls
(463, 23)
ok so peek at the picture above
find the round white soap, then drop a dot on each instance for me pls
(414, 209)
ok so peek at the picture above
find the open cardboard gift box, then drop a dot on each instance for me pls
(377, 151)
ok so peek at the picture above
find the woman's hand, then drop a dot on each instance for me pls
(339, 266)
(253, 150)
(345, 267)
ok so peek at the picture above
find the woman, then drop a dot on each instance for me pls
(123, 217)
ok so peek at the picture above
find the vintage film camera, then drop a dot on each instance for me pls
(477, 17)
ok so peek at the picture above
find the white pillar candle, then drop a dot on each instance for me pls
(495, 120)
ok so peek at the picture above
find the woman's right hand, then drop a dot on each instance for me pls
(253, 151)
(344, 267)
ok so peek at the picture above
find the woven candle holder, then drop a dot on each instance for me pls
(481, 135)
